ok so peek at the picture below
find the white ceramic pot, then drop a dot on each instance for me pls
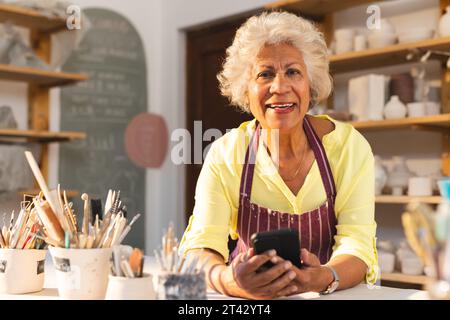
(444, 24)
(416, 109)
(81, 274)
(344, 40)
(380, 176)
(399, 176)
(21, 271)
(386, 261)
(394, 109)
(420, 186)
(386, 26)
(412, 266)
(121, 288)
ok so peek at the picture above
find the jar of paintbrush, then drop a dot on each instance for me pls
(179, 277)
(22, 252)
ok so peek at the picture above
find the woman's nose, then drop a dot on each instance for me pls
(280, 85)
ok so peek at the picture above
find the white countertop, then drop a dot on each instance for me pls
(360, 292)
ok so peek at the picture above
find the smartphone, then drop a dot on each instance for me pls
(284, 241)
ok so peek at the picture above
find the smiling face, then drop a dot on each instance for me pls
(278, 91)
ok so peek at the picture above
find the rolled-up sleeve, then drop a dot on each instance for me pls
(209, 225)
(355, 209)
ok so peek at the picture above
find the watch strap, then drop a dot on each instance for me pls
(334, 284)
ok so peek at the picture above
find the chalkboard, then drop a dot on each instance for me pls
(113, 56)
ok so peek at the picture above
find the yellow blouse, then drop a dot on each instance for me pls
(217, 193)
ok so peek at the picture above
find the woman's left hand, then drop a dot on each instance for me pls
(312, 276)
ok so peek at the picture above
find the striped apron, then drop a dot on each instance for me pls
(316, 228)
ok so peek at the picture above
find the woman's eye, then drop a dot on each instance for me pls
(293, 72)
(265, 74)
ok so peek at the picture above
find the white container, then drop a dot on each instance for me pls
(394, 109)
(386, 261)
(444, 24)
(416, 109)
(172, 286)
(81, 274)
(398, 177)
(21, 271)
(420, 187)
(412, 266)
(122, 288)
(344, 40)
(366, 97)
(433, 108)
(360, 42)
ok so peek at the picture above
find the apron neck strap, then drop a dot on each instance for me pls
(319, 153)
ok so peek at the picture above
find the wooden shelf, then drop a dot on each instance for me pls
(438, 122)
(387, 56)
(30, 18)
(404, 278)
(316, 8)
(40, 77)
(15, 136)
(407, 199)
(35, 192)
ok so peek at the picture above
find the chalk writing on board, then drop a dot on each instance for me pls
(112, 55)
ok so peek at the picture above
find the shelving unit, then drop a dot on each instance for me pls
(401, 278)
(382, 57)
(316, 8)
(321, 11)
(39, 81)
(407, 199)
(13, 135)
(43, 78)
(436, 123)
(31, 19)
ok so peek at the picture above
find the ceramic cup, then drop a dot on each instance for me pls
(172, 286)
(386, 261)
(420, 186)
(122, 288)
(344, 40)
(21, 271)
(412, 266)
(81, 274)
(416, 109)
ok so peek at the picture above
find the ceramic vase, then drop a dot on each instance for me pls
(394, 109)
(444, 24)
(380, 176)
(399, 176)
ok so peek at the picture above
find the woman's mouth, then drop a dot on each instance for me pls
(281, 107)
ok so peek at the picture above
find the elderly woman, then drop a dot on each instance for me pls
(317, 177)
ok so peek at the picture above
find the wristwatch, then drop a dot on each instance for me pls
(334, 284)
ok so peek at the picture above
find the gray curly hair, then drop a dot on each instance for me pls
(274, 28)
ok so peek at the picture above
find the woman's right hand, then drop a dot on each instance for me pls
(253, 284)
